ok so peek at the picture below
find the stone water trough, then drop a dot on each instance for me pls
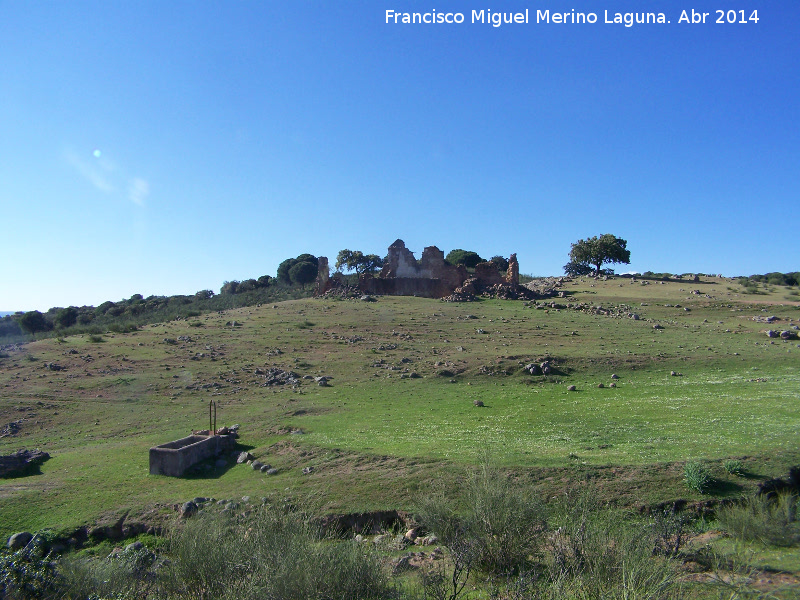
(175, 458)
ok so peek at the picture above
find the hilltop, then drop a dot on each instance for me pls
(694, 377)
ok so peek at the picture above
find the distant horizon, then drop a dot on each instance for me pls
(96, 303)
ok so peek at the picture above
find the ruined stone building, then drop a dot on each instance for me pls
(428, 277)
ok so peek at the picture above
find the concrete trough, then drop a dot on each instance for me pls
(175, 458)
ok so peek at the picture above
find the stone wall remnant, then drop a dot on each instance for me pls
(432, 277)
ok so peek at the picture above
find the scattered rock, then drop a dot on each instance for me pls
(188, 509)
(243, 458)
(614, 376)
(272, 471)
(428, 540)
(19, 540)
(477, 402)
(308, 470)
(571, 388)
(401, 565)
(600, 385)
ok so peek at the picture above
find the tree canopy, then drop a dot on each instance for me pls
(303, 272)
(468, 258)
(355, 260)
(596, 251)
(284, 268)
(33, 322)
(500, 262)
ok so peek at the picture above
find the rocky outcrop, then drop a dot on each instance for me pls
(21, 461)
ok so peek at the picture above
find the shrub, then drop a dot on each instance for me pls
(27, 573)
(597, 554)
(734, 467)
(278, 555)
(770, 521)
(497, 523)
(696, 476)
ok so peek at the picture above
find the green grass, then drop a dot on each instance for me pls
(376, 438)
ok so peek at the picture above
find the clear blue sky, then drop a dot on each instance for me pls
(165, 147)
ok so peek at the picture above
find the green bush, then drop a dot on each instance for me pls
(696, 476)
(276, 555)
(734, 467)
(770, 521)
(596, 553)
(501, 523)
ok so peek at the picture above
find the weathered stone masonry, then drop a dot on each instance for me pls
(430, 277)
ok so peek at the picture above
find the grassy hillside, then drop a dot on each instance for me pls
(399, 413)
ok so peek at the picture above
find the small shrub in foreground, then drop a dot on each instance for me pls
(696, 476)
(770, 521)
(501, 523)
(734, 467)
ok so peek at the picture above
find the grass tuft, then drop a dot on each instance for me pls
(696, 476)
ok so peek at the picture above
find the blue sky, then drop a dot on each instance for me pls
(165, 147)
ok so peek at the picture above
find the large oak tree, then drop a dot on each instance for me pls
(595, 252)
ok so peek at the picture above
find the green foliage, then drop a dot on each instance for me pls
(34, 322)
(278, 555)
(28, 573)
(500, 262)
(777, 278)
(499, 522)
(9, 328)
(303, 273)
(467, 258)
(229, 287)
(357, 261)
(769, 521)
(596, 251)
(574, 269)
(597, 554)
(67, 317)
(285, 267)
(204, 295)
(696, 476)
(734, 467)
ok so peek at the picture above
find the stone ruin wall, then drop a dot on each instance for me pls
(430, 277)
